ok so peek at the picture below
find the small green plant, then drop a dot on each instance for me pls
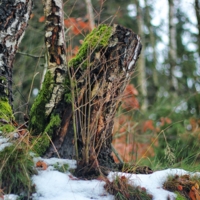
(16, 169)
(61, 168)
(179, 196)
(122, 190)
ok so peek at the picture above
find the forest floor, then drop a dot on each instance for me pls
(54, 181)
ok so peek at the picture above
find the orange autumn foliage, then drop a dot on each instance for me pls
(127, 142)
(195, 124)
(148, 125)
(42, 19)
(129, 100)
(165, 120)
(77, 25)
(71, 52)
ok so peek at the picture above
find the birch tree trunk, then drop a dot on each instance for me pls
(172, 53)
(90, 13)
(14, 16)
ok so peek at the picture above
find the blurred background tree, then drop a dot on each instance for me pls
(162, 116)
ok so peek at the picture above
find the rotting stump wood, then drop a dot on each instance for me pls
(97, 77)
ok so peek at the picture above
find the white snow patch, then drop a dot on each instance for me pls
(11, 197)
(152, 182)
(54, 185)
(4, 143)
(59, 161)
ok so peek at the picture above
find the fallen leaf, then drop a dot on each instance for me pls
(72, 177)
(180, 187)
(42, 19)
(42, 165)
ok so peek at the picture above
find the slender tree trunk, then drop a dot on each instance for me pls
(142, 82)
(153, 45)
(172, 53)
(197, 10)
(56, 66)
(90, 13)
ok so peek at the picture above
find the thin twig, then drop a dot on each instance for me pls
(117, 154)
(30, 55)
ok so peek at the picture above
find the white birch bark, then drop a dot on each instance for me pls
(90, 13)
(55, 45)
(13, 22)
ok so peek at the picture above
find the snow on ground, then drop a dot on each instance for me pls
(54, 185)
(4, 143)
(51, 184)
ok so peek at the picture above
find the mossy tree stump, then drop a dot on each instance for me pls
(80, 124)
(72, 117)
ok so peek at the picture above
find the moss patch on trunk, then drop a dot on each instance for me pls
(38, 119)
(6, 116)
(94, 41)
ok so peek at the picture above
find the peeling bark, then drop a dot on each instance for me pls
(55, 45)
(14, 16)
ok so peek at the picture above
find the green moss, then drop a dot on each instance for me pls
(42, 142)
(38, 119)
(179, 196)
(122, 190)
(67, 95)
(6, 114)
(16, 169)
(5, 110)
(61, 168)
(7, 128)
(54, 122)
(97, 39)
